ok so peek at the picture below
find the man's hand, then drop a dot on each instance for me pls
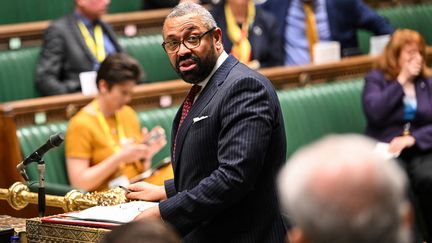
(152, 212)
(146, 191)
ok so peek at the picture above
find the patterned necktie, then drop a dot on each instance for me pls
(311, 28)
(187, 104)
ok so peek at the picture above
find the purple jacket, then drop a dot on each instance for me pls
(383, 107)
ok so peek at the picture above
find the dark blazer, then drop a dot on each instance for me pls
(265, 41)
(64, 56)
(383, 107)
(345, 17)
(225, 165)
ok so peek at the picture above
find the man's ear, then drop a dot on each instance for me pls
(217, 35)
(296, 235)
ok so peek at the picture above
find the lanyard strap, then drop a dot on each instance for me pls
(241, 47)
(105, 127)
(95, 45)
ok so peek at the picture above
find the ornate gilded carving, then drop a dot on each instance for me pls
(19, 196)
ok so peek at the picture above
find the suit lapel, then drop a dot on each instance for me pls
(202, 101)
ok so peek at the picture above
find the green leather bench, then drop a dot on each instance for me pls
(318, 110)
(35, 10)
(17, 71)
(416, 17)
(18, 67)
(309, 114)
(57, 183)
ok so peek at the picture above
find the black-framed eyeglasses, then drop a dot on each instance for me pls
(190, 42)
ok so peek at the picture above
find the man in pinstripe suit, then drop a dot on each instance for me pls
(229, 147)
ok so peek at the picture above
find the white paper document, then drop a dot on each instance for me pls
(88, 83)
(326, 51)
(121, 213)
(377, 44)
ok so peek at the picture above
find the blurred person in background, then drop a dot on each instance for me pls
(340, 190)
(105, 146)
(249, 33)
(303, 23)
(75, 43)
(398, 107)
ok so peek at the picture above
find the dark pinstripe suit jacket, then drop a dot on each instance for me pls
(225, 164)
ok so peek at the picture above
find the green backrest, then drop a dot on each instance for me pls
(20, 11)
(148, 51)
(32, 137)
(18, 67)
(313, 112)
(17, 71)
(164, 118)
(416, 17)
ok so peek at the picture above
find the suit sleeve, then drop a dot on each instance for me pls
(381, 99)
(50, 64)
(372, 21)
(246, 128)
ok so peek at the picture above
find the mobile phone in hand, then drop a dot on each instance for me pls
(153, 136)
(125, 189)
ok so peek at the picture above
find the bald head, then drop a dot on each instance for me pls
(338, 188)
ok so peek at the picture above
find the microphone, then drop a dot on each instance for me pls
(54, 141)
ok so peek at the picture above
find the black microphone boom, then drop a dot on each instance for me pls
(54, 141)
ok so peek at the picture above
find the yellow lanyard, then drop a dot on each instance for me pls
(241, 48)
(105, 127)
(95, 45)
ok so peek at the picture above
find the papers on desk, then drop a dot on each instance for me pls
(377, 44)
(88, 83)
(326, 51)
(121, 213)
(383, 149)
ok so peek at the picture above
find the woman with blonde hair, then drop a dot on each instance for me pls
(397, 101)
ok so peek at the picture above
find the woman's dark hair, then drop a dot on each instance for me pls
(118, 68)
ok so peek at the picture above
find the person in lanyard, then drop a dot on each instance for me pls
(74, 44)
(105, 146)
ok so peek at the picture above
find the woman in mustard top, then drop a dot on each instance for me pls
(105, 146)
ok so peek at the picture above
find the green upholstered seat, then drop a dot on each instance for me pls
(18, 67)
(313, 112)
(416, 17)
(148, 51)
(17, 70)
(36, 10)
(31, 138)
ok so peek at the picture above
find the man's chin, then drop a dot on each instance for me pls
(190, 77)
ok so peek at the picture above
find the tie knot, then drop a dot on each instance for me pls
(194, 90)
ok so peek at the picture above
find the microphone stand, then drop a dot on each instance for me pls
(41, 188)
